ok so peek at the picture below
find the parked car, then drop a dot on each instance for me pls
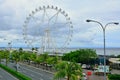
(84, 66)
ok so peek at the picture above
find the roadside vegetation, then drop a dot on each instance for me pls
(14, 73)
(114, 77)
(64, 67)
(54, 63)
(68, 70)
(84, 56)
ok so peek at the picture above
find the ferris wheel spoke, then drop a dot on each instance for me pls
(43, 15)
(54, 15)
(54, 23)
(46, 15)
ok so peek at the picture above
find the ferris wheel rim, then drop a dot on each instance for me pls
(49, 7)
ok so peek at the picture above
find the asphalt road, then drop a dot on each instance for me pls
(32, 72)
(6, 76)
(99, 77)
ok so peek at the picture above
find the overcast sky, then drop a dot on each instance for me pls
(13, 13)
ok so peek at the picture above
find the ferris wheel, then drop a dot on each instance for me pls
(48, 27)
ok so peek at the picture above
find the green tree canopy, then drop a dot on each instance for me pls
(70, 70)
(81, 56)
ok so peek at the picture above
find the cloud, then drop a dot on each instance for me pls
(14, 12)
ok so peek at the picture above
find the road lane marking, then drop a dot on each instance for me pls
(33, 71)
(36, 69)
(5, 72)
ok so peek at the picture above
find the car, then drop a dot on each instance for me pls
(84, 66)
(88, 67)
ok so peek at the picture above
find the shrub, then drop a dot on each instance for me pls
(114, 76)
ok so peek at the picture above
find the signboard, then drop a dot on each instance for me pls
(101, 68)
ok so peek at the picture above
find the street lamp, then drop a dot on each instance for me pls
(103, 28)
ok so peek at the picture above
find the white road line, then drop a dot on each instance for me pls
(37, 68)
(9, 74)
(33, 71)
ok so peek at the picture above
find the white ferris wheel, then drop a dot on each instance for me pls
(48, 27)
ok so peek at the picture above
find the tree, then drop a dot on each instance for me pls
(6, 56)
(81, 56)
(52, 61)
(20, 49)
(27, 56)
(33, 56)
(70, 70)
(16, 55)
(33, 49)
(118, 56)
(44, 58)
(22, 57)
(1, 55)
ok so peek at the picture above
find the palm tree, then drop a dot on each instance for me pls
(1, 55)
(6, 56)
(70, 70)
(43, 59)
(20, 49)
(15, 55)
(52, 61)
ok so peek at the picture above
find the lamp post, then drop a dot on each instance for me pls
(103, 28)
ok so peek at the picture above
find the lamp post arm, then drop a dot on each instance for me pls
(111, 23)
(96, 22)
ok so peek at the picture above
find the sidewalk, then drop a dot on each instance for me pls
(115, 71)
(93, 76)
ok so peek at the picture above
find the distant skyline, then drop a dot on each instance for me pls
(13, 13)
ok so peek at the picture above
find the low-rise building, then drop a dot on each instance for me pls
(115, 63)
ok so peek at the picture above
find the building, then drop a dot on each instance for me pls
(115, 63)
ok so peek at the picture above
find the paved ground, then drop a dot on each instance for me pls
(115, 71)
(6, 76)
(99, 77)
(40, 74)
(93, 76)
(34, 73)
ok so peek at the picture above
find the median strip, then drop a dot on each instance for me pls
(14, 73)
